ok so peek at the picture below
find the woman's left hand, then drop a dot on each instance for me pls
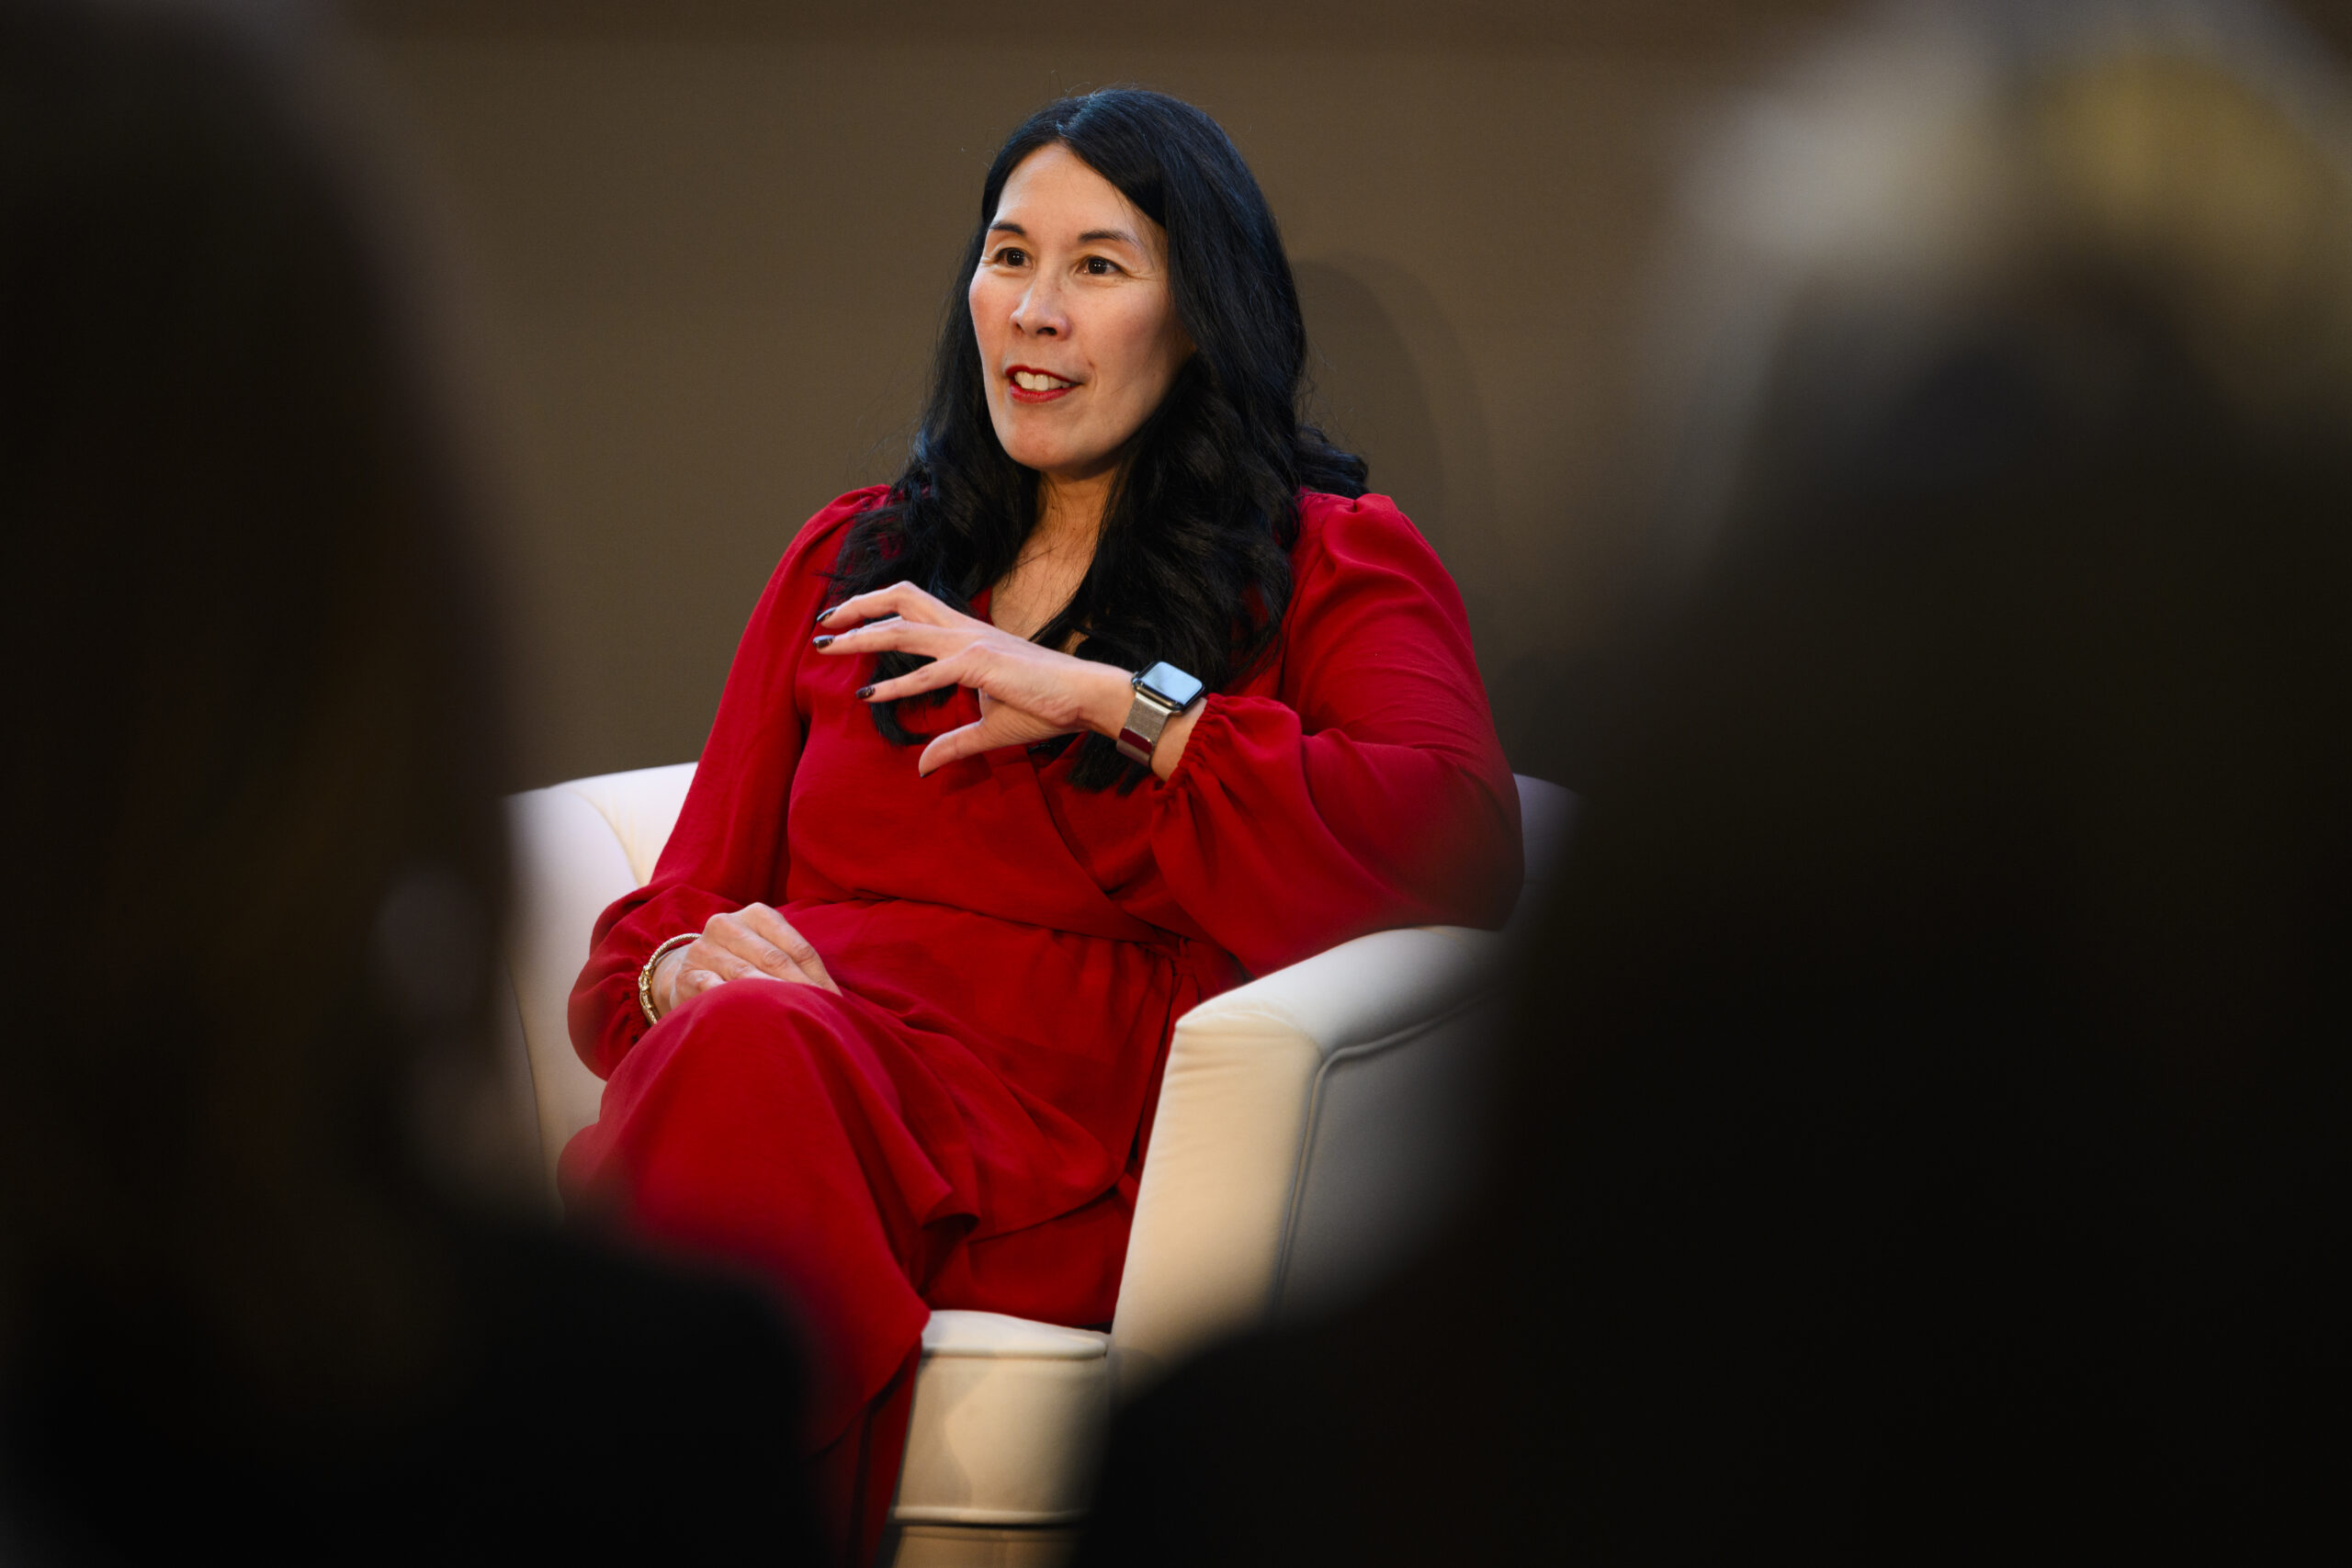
(1027, 692)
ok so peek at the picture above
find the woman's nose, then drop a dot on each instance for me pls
(1040, 312)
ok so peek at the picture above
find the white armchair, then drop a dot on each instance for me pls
(1313, 1126)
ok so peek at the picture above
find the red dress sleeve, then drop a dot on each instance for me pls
(729, 847)
(1369, 791)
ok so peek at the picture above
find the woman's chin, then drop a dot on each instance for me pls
(1061, 464)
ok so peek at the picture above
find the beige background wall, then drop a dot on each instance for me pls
(705, 248)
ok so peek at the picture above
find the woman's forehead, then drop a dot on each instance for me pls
(1053, 195)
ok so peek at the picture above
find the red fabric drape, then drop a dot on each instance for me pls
(962, 1126)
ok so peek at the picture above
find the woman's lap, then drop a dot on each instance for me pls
(769, 1124)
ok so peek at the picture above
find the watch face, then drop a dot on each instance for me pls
(1170, 685)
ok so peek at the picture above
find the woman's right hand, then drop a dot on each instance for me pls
(754, 943)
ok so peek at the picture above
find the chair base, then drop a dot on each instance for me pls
(977, 1546)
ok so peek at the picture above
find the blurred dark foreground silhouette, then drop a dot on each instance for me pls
(1929, 1110)
(257, 867)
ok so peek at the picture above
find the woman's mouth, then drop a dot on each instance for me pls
(1033, 386)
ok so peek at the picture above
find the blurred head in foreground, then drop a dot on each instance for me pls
(1930, 1113)
(1936, 1074)
(249, 1295)
(257, 859)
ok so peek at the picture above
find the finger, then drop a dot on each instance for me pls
(1001, 728)
(753, 960)
(962, 669)
(895, 600)
(899, 599)
(729, 948)
(743, 939)
(910, 637)
(826, 640)
(744, 953)
(790, 948)
(691, 983)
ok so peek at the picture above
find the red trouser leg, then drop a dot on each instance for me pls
(853, 1479)
(759, 1124)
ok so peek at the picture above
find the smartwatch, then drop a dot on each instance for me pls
(1161, 692)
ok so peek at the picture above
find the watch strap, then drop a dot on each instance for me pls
(1161, 693)
(1146, 716)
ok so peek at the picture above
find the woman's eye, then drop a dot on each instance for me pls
(1100, 266)
(1012, 255)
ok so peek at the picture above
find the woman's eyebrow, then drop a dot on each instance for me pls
(1006, 226)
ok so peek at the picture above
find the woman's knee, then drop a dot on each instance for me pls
(754, 1021)
(755, 999)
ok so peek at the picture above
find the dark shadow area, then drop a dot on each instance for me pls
(1392, 382)
(1368, 392)
(1927, 1130)
(264, 1286)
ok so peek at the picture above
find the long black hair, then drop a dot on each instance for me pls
(1193, 565)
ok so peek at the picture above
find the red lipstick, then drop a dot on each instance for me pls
(1063, 385)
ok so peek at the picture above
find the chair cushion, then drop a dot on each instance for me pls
(1008, 1422)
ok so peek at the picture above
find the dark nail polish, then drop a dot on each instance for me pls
(865, 691)
(824, 642)
(824, 615)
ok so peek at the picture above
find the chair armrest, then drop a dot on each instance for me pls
(577, 847)
(1309, 1132)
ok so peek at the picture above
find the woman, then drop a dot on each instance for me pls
(1121, 691)
(245, 1301)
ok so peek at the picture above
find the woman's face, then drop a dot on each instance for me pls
(1076, 324)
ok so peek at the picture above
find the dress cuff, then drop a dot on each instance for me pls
(1212, 735)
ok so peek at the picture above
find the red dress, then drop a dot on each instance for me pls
(963, 1125)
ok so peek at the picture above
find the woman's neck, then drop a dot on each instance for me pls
(1055, 557)
(1070, 511)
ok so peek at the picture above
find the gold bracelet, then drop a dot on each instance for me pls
(645, 975)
